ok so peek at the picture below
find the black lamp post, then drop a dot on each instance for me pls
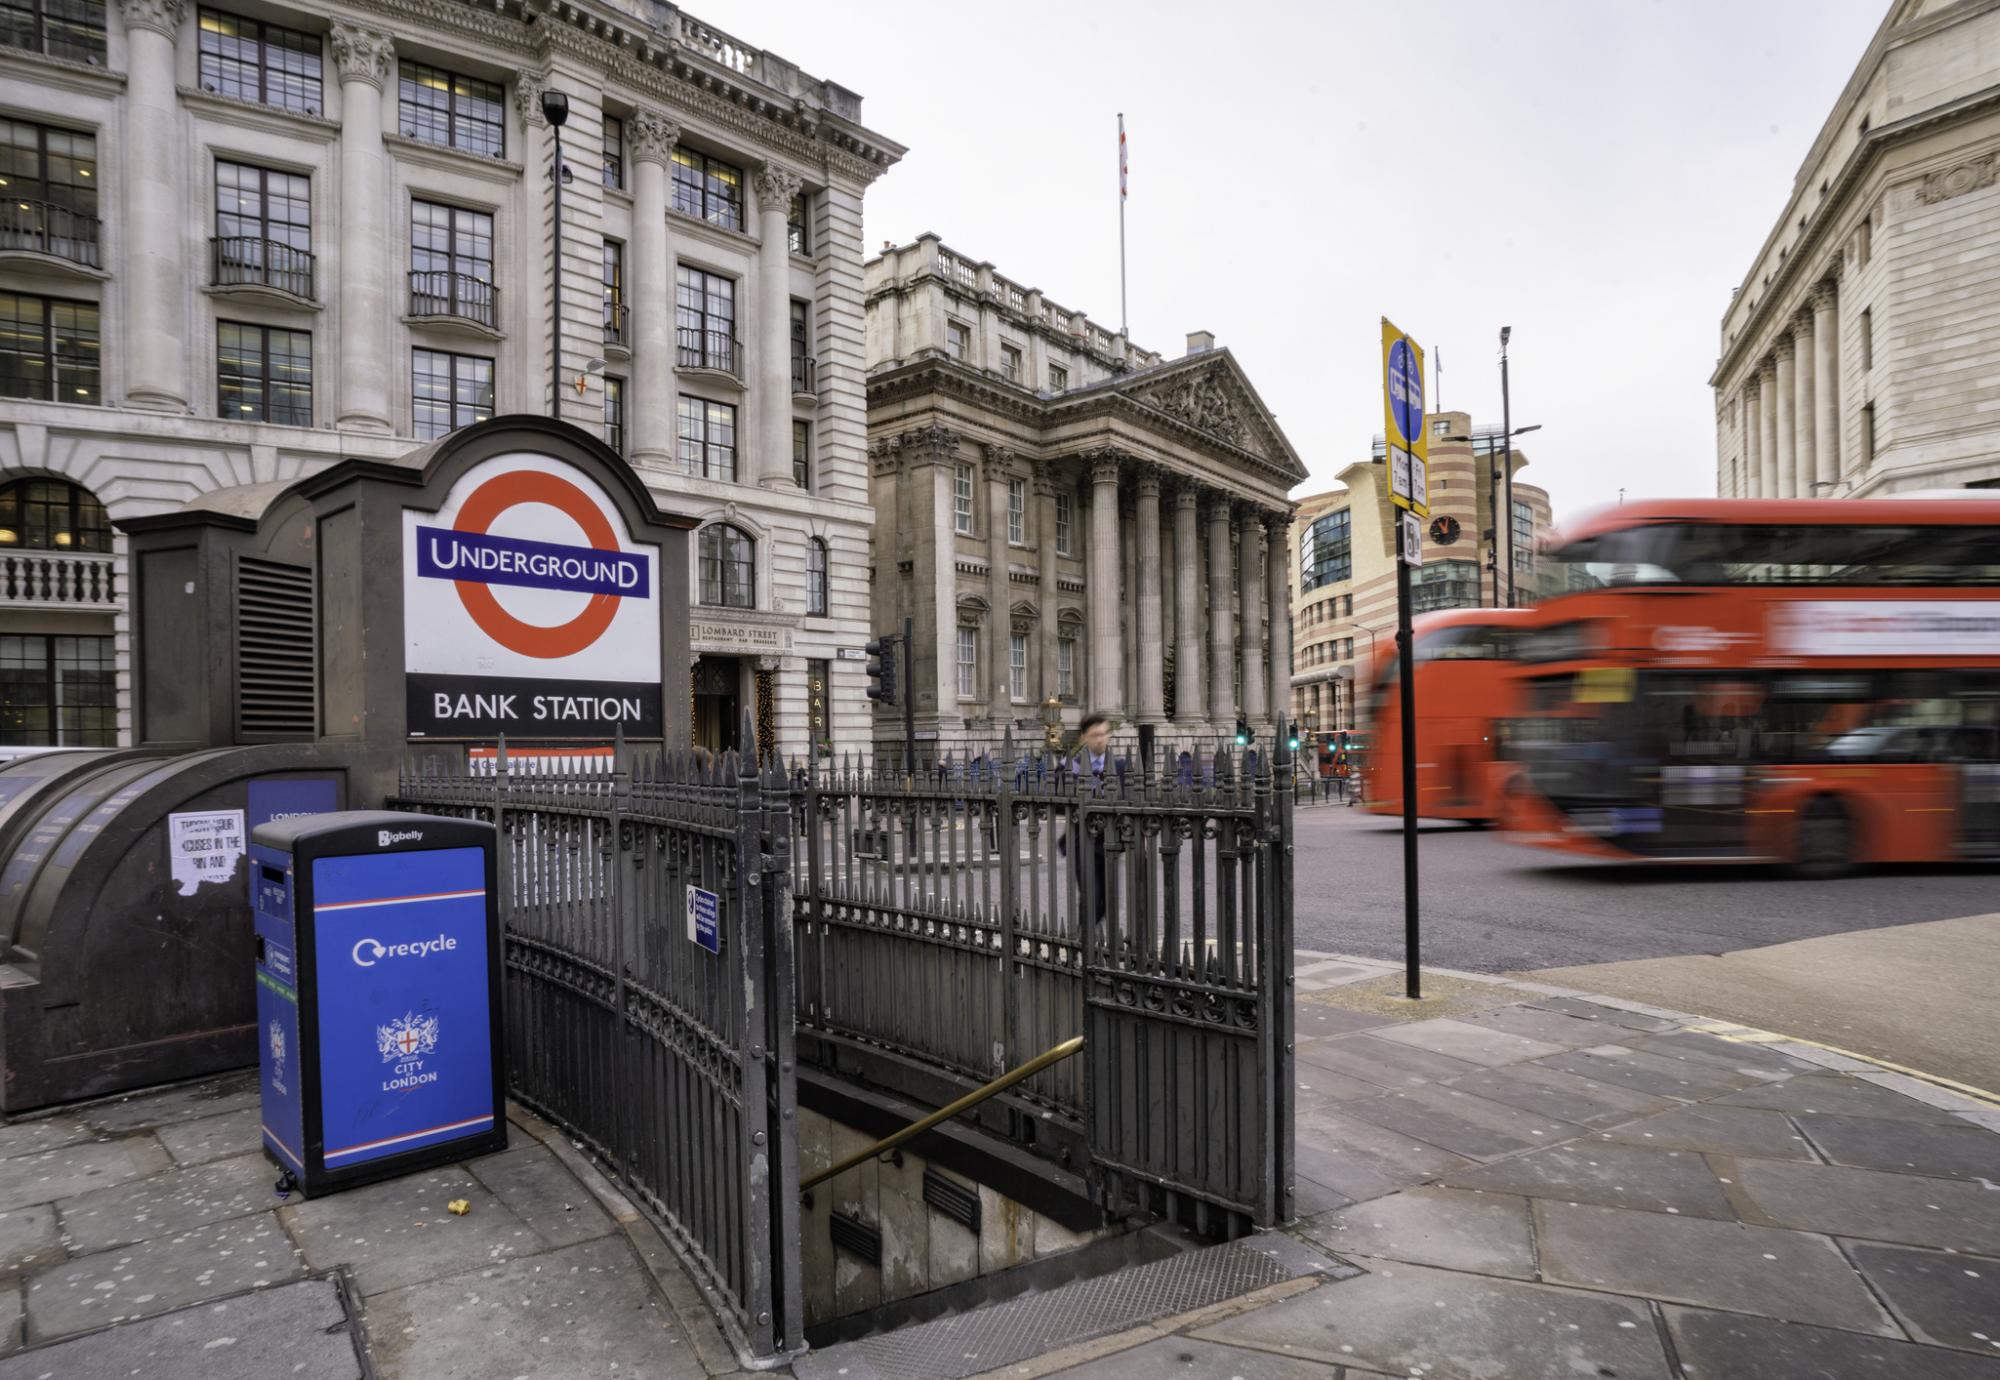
(1500, 487)
(555, 109)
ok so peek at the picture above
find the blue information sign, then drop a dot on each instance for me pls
(286, 797)
(704, 915)
(1406, 391)
(404, 1029)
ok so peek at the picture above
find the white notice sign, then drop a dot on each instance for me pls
(1886, 627)
(1413, 540)
(204, 847)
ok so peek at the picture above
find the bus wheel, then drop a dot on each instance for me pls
(1825, 843)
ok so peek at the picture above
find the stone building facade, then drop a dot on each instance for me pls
(1858, 356)
(1344, 599)
(1070, 522)
(239, 246)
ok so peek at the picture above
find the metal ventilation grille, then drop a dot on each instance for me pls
(274, 649)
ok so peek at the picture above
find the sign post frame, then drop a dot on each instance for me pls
(1403, 411)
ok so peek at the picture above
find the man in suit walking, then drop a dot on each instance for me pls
(1091, 765)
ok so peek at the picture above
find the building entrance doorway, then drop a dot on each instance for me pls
(718, 703)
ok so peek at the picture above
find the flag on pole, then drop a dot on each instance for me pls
(1121, 157)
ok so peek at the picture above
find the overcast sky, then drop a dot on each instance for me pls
(1595, 173)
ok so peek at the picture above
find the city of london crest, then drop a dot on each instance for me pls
(406, 1038)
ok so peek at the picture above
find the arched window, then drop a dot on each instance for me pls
(816, 577)
(52, 515)
(728, 567)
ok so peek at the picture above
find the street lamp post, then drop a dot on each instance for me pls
(555, 109)
(1498, 487)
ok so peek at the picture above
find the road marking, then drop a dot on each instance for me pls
(1749, 1035)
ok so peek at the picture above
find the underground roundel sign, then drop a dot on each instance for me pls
(528, 609)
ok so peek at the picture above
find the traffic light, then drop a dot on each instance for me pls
(1245, 735)
(882, 669)
(1294, 742)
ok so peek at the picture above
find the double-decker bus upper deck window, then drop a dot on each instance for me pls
(1707, 553)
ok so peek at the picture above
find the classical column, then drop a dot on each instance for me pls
(1189, 698)
(1826, 387)
(1152, 637)
(366, 60)
(776, 186)
(1000, 619)
(1107, 657)
(1278, 592)
(1805, 470)
(1753, 437)
(1221, 621)
(155, 268)
(1128, 584)
(1046, 629)
(1782, 403)
(651, 140)
(1767, 423)
(1250, 599)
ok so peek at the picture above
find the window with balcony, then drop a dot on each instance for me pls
(263, 229)
(1010, 364)
(614, 152)
(1058, 378)
(58, 691)
(50, 177)
(704, 320)
(798, 224)
(707, 432)
(968, 663)
(617, 324)
(614, 412)
(728, 567)
(957, 341)
(252, 61)
(72, 30)
(52, 515)
(451, 264)
(708, 189)
(804, 373)
(1065, 523)
(1017, 512)
(1326, 551)
(802, 433)
(458, 112)
(449, 391)
(816, 562)
(48, 349)
(961, 500)
(263, 374)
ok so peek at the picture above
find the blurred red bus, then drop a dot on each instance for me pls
(1809, 682)
(1465, 685)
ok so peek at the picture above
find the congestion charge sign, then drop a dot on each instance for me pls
(529, 610)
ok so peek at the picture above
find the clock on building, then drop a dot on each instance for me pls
(1444, 530)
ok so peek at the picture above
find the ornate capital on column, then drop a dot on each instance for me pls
(1783, 350)
(1752, 386)
(528, 98)
(1147, 481)
(1802, 327)
(363, 54)
(1767, 370)
(924, 445)
(162, 16)
(1275, 523)
(1826, 294)
(776, 186)
(651, 137)
(1187, 495)
(1105, 464)
(1048, 476)
(998, 460)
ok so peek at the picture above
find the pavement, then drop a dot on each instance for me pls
(1511, 1180)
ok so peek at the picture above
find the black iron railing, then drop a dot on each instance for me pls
(708, 348)
(438, 293)
(247, 261)
(617, 323)
(42, 227)
(805, 374)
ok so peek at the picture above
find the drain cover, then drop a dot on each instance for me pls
(1003, 1333)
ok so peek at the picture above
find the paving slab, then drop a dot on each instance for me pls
(1794, 1276)
(191, 1102)
(28, 1238)
(1399, 1317)
(1484, 1233)
(1312, 1019)
(1310, 1198)
(1563, 1096)
(1387, 1063)
(587, 1310)
(215, 1137)
(1316, 1082)
(1737, 1346)
(1551, 1027)
(536, 1187)
(1609, 1015)
(1949, 1300)
(78, 1168)
(1455, 1120)
(1874, 1206)
(399, 1233)
(1743, 1056)
(1197, 1360)
(1942, 1152)
(295, 1331)
(160, 1275)
(11, 1317)
(1484, 1045)
(1719, 1131)
(42, 1133)
(1684, 1080)
(1676, 1182)
(1361, 1160)
(168, 1202)
(1833, 1094)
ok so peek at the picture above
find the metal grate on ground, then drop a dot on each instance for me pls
(1035, 1324)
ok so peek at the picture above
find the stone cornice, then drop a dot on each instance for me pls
(265, 119)
(20, 65)
(445, 159)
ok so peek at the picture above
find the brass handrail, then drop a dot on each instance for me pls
(970, 1100)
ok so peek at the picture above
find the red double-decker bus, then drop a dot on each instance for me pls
(1465, 687)
(1809, 682)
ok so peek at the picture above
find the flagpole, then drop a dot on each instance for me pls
(1124, 324)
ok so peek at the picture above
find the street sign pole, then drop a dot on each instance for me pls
(1407, 453)
(1407, 684)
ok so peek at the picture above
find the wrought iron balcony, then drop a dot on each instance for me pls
(706, 349)
(78, 580)
(805, 374)
(617, 323)
(42, 227)
(435, 292)
(247, 261)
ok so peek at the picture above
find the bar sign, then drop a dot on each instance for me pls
(704, 911)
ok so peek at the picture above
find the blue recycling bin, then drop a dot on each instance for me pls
(378, 994)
